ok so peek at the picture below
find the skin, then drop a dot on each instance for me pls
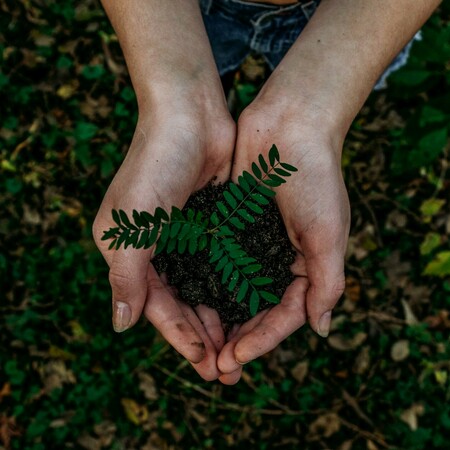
(305, 108)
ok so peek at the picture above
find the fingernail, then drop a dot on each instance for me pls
(121, 316)
(242, 363)
(324, 324)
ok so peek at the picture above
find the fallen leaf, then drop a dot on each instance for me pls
(362, 361)
(431, 206)
(410, 416)
(410, 318)
(300, 371)
(137, 414)
(339, 342)
(400, 350)
(148, 386)
(439, 266)
(324, 426)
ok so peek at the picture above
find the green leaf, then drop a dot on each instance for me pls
(233, 280)
(122, 238)
(269, 297)
(153, 236)
(143, 238)
(110, 233)
(245, 215)
(244, 261)
(147, 217)
(161, 215)
(271, 183)
(249, 178)
(171, 245)
(137, 219)
(256, 171)
(439, 266)
(242, 291)
(116, 217)
(265, 191)
(125, 220)
(236, 191)
(237, 253)
(190, 215)
(221, 264)
(223, 209)
(185, 231)
(263, 164)
(253, 268)
(202, 242)
(260, 198)
(432, 241)
(165, 232)
(254, 303)
(193, 245)
(214, 219)
(85, 131)
(254, 207)
(159, 247)
(288, 167)
(261, 281)
(227, 272)
(230, 199)
(176, 214)
(182, 245)
(174, 229)
(277, 179)
(237, 223)
(225, 231)
(431, 206)
(274, 156)
(281, 172)
(112, 244)
(215, 256)
(243, 184)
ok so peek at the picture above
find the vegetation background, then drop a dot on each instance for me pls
(381, 380)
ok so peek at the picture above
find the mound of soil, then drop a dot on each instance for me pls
(196, 281)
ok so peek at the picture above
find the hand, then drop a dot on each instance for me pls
(315, 209)
(172, 154)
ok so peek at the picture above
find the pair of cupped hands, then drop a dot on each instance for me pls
(179, 146)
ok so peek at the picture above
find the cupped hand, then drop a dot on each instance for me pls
(315, 209)
(172, 154)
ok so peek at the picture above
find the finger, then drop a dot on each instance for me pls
(280, 322)
(163, 311)
(207, 367)
(128, 279)
(327, 283)
(226, 361)
(211, 322)
(231, 378)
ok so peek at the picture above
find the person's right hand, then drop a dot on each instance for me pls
(172, 154)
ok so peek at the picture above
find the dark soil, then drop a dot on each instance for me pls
(197, 282)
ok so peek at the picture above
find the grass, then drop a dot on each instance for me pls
(67, 381)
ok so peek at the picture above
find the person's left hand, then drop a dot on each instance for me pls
(314, 206)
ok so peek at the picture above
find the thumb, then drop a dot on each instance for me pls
(128, 279)
(327, 284)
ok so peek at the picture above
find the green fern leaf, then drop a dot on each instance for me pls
(288, 167)
(199, 217)
(190, 215)
(174, 229)
(137, 219)
(171, 245)
(237, 223)
(185, 230)
(245, 215)
(281, 172)
(214, 219)
(223, 209)
(237, 253)
(245, 261)
(110, 233)
(161, 215)
(254, 303)
(271, 183)
(160, 245)
(242, 291)
(125, 220)
(165, 232)
(123, 237)
(265, 191)
(222, 262)
(143, 238)
(253, 268)
(261, 281)
(274, 155)
(260, 198)
(236, 192)
(250, 180)
(227, 272)
(254, 207)
(147, 218)
(269, 297)
(277, 179)
(233, 280)
(153, 236)
(215, 256)
(230, 199)
(116, 217)
(202, 242)
(263, 164)
(225, 231)
(193, 245)
(112, 244)
(256, 171)
(243, 184)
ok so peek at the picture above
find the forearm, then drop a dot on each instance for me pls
(342, 52)
(165, 46)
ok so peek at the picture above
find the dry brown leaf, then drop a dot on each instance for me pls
(89, 442)
(300, 371)
(362, 361)
(148, 386)
(55, 374)
(339, 342)
(371, 445)
(410, 416)
(410, 318)
(400, 350)
(324, 426)
(138, 414)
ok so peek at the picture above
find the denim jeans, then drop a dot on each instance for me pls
(237, 28)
